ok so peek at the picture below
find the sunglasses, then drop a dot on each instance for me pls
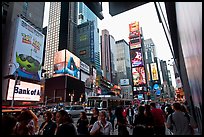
(29, 59)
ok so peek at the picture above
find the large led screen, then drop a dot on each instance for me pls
(138, 74)
(66, 63)
(27, 51)
(136, 57)
(134, 26)
(154, 71)
(134, 35)
(24, 92)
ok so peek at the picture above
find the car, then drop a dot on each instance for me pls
(74, 110)
(16, 112)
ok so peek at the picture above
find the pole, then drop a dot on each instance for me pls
(45, 101)
(16, 76)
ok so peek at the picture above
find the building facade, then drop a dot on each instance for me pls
(61, 33)
(106, 54)
(123, 67)
(33, 13)
(85, 15)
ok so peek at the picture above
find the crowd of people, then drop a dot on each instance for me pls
(148, 119)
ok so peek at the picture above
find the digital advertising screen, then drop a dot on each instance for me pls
(134, 35)
(148, 73)
(66, 63)
(138, 74)
(24, 92)
(133, 27)
(135, 42)
(28, 51)
(136, 57)
(154, 71)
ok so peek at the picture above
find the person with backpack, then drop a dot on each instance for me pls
(180, 122)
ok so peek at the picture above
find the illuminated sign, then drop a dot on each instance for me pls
(84, 67)
(134, 35)
(66, 63)
(24, 92)
(28, 51)
(134, 27)
(138, 76)
(154, 71)
(124, 82)
(136, 57)
(148, 73)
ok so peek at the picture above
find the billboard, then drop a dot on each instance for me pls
(134, 35)
(148, 73)
(84, 67)
(134, 27)
(136, 57)
(138, 74)
(154, 71)
(24, 92)
(124, 82)
(27, 51)
(66, 63)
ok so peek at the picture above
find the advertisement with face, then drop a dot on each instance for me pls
(138, 76)
(66, 63)
(28, 51)
(24, 92)
(136, 57)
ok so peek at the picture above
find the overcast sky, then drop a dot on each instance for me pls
(118, 27)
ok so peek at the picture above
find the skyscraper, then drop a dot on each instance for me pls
(31, 12)
(106, 54)
(84, 15)
(122, 64)
(123, 68)
(61, 33)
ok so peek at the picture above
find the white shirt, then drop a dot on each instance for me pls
(106, 130)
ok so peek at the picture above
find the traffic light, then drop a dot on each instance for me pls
(60, 98)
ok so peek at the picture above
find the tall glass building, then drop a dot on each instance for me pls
(84, 15)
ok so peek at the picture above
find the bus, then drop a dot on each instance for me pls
(103, 102)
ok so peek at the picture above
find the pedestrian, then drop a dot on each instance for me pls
(101, 126)
(82, 124)
(139, 122)
(25, 124)
(64, 124)
(122, 122)
(159, 119)
(94, 117)
(48, 126)
(149, 130)
(8, 124)
(181, 123)
(54, 116)
(111, 117)
(168, 110)
(130, 114)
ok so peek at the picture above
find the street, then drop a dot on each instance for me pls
(40, 120)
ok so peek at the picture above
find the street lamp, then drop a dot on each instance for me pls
(16, 78)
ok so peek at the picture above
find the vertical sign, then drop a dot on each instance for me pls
(154, 71)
